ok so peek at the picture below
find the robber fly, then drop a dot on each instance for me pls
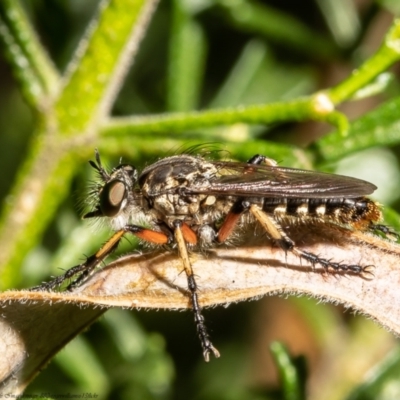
(188, 202)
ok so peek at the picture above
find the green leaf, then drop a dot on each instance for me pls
(256, 17)
(290, 378)
(382, 382)
(187, 55)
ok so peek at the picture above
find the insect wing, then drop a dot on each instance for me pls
(241, 179)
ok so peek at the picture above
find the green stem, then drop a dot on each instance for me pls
(54, 155)
(297, 110)
(47, 171)
(387, 55)
(97, 73)
(319, 106)
(30, 63)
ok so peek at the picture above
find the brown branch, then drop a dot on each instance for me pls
(35, 325)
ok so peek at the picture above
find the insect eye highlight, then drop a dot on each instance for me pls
(112, 197)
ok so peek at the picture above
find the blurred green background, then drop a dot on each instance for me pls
(235, 53)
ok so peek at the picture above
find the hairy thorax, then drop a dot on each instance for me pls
(163, 188)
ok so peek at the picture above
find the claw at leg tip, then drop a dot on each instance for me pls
(206, 353)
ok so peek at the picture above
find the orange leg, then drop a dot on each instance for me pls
(241, 205)
(231, 220)
(188, 234)
(84, 270)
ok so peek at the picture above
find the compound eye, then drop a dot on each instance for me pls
(112, 197)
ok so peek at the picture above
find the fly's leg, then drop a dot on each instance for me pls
(386, 230)
(238, 207)
(184, 234)
(86, 269)
(230, 221)
(259, 159)
(276, 232)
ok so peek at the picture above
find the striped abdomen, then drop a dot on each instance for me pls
(359, 212)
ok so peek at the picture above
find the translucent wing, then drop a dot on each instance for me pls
(249, 180)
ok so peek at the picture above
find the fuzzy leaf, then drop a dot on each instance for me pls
(35, 325)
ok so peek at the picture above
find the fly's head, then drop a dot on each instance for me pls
(114, 196)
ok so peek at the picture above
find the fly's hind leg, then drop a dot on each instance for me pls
(276, 232)
(184, 234)
(389, 232)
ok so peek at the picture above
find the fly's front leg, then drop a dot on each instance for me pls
(88, 267)
(276, 233)
(182, 235)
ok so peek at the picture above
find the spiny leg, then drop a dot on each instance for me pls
(276, 233)
(88, 267)
(208, 348)
(386, 230)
